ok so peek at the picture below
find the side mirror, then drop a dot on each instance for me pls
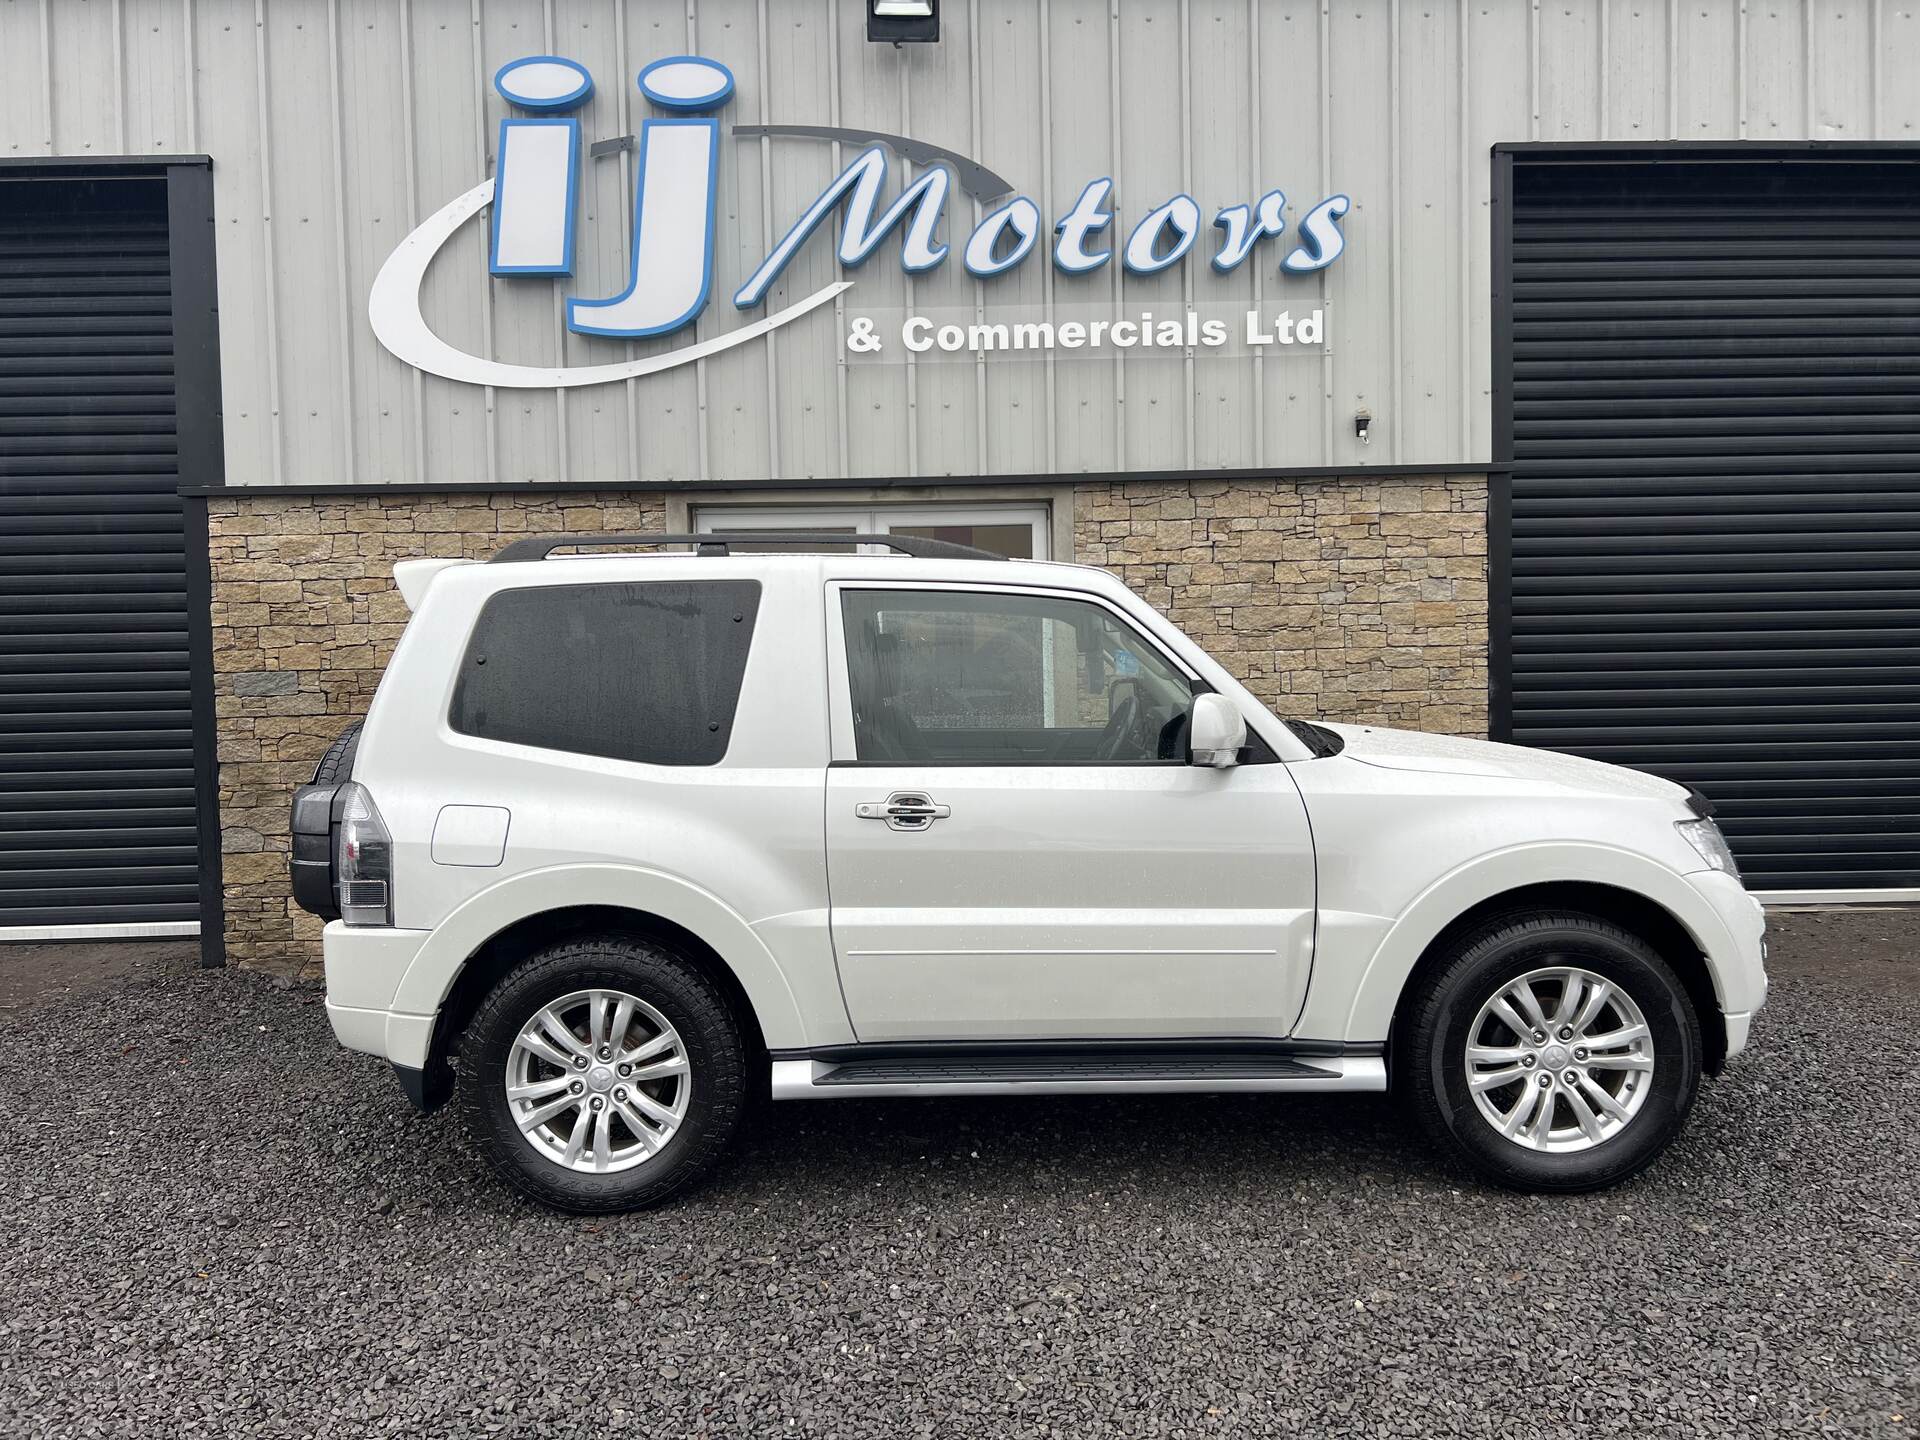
(1216, 732)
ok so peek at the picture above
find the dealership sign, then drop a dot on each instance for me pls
(535, 187)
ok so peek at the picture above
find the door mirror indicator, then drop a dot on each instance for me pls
(1217, 731)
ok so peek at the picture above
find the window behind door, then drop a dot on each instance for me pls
(648, 671)
(960, 677)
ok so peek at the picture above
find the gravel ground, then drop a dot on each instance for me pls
(222, 1224)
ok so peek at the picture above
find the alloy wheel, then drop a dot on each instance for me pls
(1559, 1060)
(598, 1081)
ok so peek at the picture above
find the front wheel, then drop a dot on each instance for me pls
(1553, 1051)
(604, 1074)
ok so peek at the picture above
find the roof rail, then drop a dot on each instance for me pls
(539, 547)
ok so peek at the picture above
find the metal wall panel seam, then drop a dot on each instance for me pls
(480, 81)
(1258, 429)
(1396, 353)
(1046, 189)
(1326, 188)
(1875, 74)
(1808, 60)
(1604, 59)
(187, 76)
(119, 75)
(839, 270)
(46, 75)
(347, 316)
(1465, 230)
(1673, 69)
(270, 305)
(1740, 69)
(1186, 184)
(564, 468)
(623, 110)
(979, 285)
(1119, 296)
(766, 231)
(410, 139)
(1533, 69)
(704, 456)
(912, 371)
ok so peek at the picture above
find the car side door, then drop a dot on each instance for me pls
(1016, 846)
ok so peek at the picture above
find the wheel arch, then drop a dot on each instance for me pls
(1629, 909)
(484, 937)
(1622, 886)
(529, 935)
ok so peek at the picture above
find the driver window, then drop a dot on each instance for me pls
(955, 677)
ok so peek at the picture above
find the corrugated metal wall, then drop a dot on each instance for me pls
(336, 124)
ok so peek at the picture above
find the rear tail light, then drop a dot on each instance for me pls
(363, 860)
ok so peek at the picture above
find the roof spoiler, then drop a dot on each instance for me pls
(415, 576)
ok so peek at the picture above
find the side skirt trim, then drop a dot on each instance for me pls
(1108, 1049)
(807, 1079)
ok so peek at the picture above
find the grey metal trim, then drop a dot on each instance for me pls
(798, 1080)
(145, 164)
(1776, 899)
(122, 930)
(742, 491)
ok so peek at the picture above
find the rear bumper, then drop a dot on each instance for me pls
(365, 964)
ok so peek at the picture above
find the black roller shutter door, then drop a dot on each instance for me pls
(1715, 563)
(96, 759)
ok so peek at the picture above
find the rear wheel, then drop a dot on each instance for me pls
(1553, 1051)
(605, 1074)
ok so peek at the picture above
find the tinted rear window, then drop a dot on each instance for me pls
(648, 671)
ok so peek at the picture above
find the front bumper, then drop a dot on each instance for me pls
(1739, 962)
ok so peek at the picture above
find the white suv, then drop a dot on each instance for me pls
(631, 839)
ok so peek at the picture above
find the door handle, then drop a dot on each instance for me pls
(903, 810)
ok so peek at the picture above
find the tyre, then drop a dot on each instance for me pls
(604, 1074)
(337, 763)
(1554, 1051)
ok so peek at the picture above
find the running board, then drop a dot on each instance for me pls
(1074, 1073)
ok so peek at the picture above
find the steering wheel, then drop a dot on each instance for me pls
(1122, 729)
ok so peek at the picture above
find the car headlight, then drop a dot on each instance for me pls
(1709, 844)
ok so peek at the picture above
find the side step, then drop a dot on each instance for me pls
(1074, 1071)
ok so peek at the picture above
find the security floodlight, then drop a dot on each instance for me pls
(903, 22)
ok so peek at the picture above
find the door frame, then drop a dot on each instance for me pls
(201, 461)
(877, 516)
